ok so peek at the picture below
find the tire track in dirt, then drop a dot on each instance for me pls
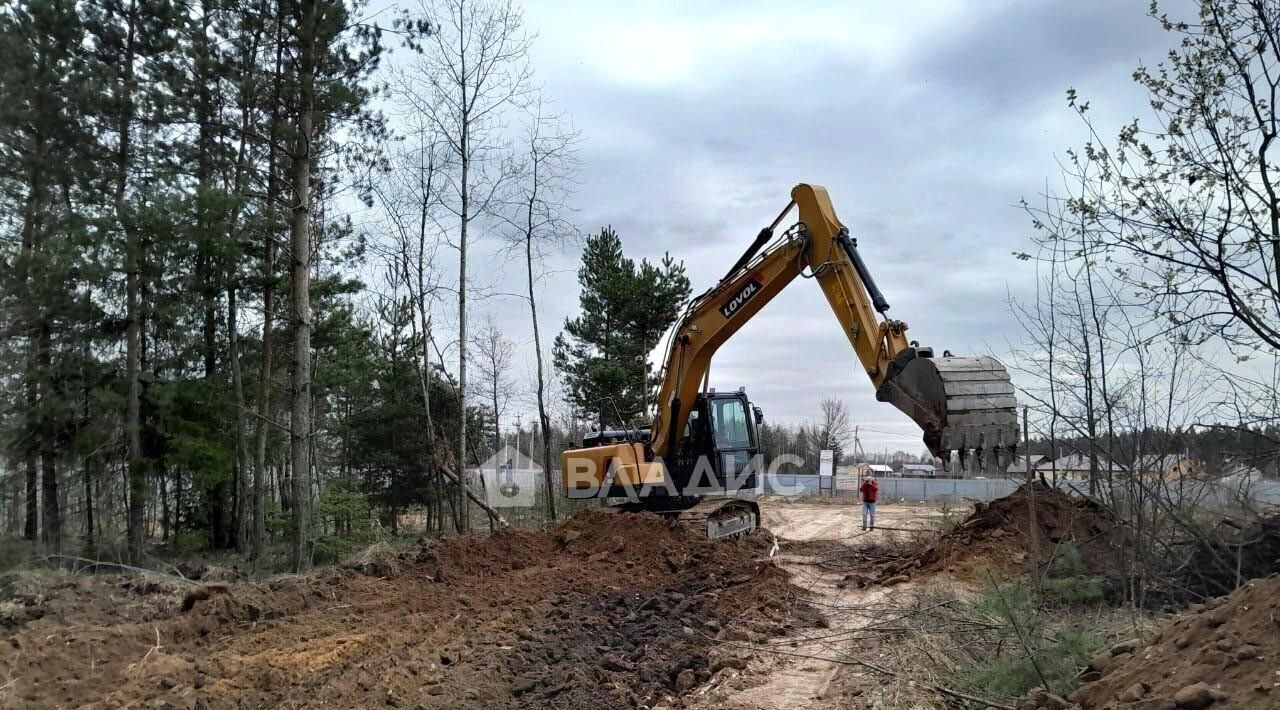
(793, 672)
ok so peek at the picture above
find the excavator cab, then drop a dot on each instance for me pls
(707, 484)
(718, 453)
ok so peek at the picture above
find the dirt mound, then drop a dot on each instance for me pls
(590, 533)
(1219, 654)
(999, 535)
(606, 610)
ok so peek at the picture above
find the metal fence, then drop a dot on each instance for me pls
(519, 495)
(1218, 492)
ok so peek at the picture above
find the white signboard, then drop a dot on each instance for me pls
(827, 463)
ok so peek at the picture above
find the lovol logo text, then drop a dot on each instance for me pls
(743, 295)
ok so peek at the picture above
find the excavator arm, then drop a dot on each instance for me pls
(961, 404)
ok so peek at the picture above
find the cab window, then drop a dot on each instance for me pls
(729, 419)
(691, 427)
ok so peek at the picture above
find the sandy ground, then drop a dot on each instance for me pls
(793, 673)
(605, 610)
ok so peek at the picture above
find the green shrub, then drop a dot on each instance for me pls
(1010, 600)
(951, 516)
(275, 519)
(1067, 561)
(1014, 675)
(1080, 645)
(15, 552)
(1075, 590)
(1027, 654)
(188, 543)
(346, 523)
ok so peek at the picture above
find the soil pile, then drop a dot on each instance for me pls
(606, 610)
(999, 534)
(1219, 654)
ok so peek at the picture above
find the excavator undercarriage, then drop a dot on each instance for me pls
(713, 517)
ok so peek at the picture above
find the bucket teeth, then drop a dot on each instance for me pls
(979, 460)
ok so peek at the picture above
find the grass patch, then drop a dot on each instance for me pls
(950, 516)
(1057, 662)
(1023, 647)
(1074, 590)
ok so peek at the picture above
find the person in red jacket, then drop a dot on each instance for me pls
(869, 490)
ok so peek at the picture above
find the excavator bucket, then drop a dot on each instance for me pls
(964, 405)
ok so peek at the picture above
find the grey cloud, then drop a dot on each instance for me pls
(1009, 52)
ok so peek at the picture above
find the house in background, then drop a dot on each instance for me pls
(1167, 467)
(917, 470)
(876, 469)
(1018, 469)
(1075, 467)
(1239, 473)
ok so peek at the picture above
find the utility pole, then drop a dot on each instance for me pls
(1026, 441)
(1031, 491)
(858, 453)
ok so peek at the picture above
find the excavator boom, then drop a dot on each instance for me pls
(962, 404)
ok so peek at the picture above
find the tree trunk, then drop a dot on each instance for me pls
(31, 216)
(435, 511)
(88, 502)
(133, 303)
(284, 479)
(32, 529)
(464, 522)
(244, 527)
(497, 429)
(260, 469)
(51, 513)
(263, 403)
(300, 245)
(90, 464)
(462, 326)
(166, 520)
(133, 423)
(544, 421)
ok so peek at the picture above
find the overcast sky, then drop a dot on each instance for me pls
(927, 122)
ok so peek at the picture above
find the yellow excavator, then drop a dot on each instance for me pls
(698, 462)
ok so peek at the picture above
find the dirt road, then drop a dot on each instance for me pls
(812, 666)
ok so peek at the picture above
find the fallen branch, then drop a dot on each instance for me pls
(972, 698)
(493, 515)
(137, 667)
(88, 563)
(855, 661)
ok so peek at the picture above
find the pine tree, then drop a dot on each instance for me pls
(42, 174)
(604, 353)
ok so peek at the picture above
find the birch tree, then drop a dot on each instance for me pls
(494, 354)
(538, 226)
(474, 68)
